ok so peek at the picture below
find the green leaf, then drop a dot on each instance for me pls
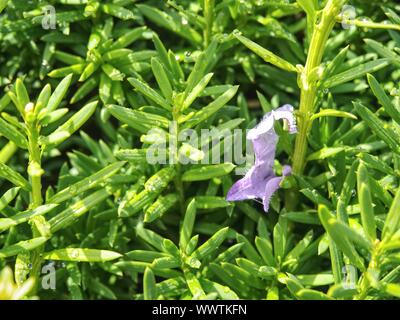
(85, 89)
(138, 120)
(172, 23)
(211, 245)
(230, 253)
(171, 248)
(59, 93)
(265, 54)
(149, 285)
(316, 280)
(346, 193)
(89, 70)
(86, 183)
(295, 254)
(3, 4)
(207, 172)
(43, 98)
(144, 255)
(160, 180)
(65, 71)
(101, 289)
(81, 255)
(336, 260)
(341, 291)
(137, 203)
(22, 93)
(264, 247)
(70, 126)
(382, 50)
(332, 113)
(131, 155)
(12, 134)
(316, 197)
(73, 212)
(51, 117)
(22, 247)
(376, 163)
(150, 237)
(211, 108)
(201, 66)
(113, 73)
(330, 225)
(194, 285)
(302, 217)
(161, 78)
(356, 72)
(378, 127)
(309, 294)
(325, 153)
(383, 99)
(150, 93)
(8, 196)
(365, 200)
(211, 202)
(248, 250)
(336, 63)
(6, 223)
(68, 58)
(162, 52)
(224, 292)
(14, 177)
(160, 207)
(280, 234)
(352, 235)
(117, 11)
(187, 225)
(392, 289)
(197, 91)
(128, 38)
(392, 222)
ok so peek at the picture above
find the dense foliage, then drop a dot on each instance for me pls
(88, 86)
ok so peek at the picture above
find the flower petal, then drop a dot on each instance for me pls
(261, 181)
(286, 112)
(270, 188)
(241, 190)
(273, 185)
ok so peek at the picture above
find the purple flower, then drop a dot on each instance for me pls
(260, 182)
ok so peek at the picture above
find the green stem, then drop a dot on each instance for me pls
(178, 178)
(179, 188)
(34, 170)
(368, 24)
(365, 284)
(308, 83)
(209, 17)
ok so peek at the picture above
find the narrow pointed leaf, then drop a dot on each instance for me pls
(59, 93)
(265, 54)
(6, 223)
(14, 177)
(81, 255)
(21, 247)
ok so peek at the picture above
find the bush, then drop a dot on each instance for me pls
(123, 130)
